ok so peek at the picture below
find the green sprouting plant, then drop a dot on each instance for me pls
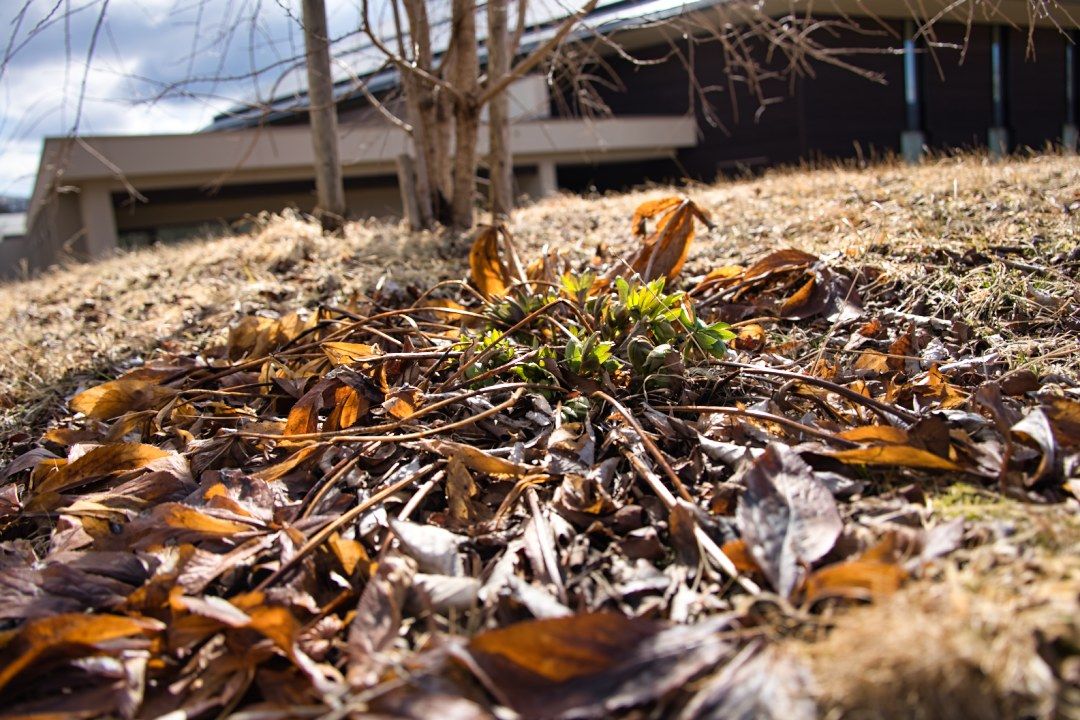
(575, 409)
(590, 356)
(513, 309)
(577, 287)
(629, 322)
(666, 319)
(502, 351)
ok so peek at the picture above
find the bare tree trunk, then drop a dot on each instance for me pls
(414, 174)
(432, 129)
(442, 132)
(464, 76)
(500, 162)
(329, 185)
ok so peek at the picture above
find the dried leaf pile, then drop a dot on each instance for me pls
(552, 492)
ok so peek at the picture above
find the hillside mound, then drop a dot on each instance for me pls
(807, 444)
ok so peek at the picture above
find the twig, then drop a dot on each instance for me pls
(887, 412)
(330, 528)
(760, 415)
(650, 446)
(708, 545)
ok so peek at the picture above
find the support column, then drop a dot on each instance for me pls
(997, 137)
(1069, 131)
(547, 178)
(912, 140)
(98, 221)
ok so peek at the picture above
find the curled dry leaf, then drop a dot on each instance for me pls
(348, 407)
(1064, 416)
(403, 402)
(760, 683)
(345, 353)
(589, 666)
(256, 336)
(113, 399)
(898, 455)
(751, 337)
(70, 636)
(489, 273)
(1035, 426)
(478, 460)
(787, 517)
(300, 457)
(97, 463)
(874, 574)
(664, 252)
(856, 579)
(377, 621)
(304, 416)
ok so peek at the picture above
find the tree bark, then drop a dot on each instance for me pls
(464, 76)
(329, 185)
(435, 117)
(418, 182)
(500, 159)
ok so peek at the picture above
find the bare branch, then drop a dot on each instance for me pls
(538, 55)
(401, 63)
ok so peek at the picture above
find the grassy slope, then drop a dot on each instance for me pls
(926, 225)
(85, 320)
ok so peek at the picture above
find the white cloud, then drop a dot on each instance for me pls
(144, 45)
(38, 104)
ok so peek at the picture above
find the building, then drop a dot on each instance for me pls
(969, 83)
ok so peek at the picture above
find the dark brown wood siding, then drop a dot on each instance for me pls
(1035, 82)
(834, 112)
(846, 114)
(957, 86)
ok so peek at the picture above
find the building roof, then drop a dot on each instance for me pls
(371, 69)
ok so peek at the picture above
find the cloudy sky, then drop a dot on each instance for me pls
(137, 82)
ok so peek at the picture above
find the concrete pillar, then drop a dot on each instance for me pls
(913, 139)
(98, 221)
(548, 182)
(998, 140)
(997, 137)
(912, 143)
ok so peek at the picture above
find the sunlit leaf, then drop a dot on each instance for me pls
(897, 456)
(115, 398)
(304, 416)
(403, 402)
(875, 434)
(750, 337)
(590, 665)
(305, 454)
(70, 635)
(664, 252)
(478, 460)
(344, 353)
(488, 271)
(348, 407)
(97, 463)
(874, 574)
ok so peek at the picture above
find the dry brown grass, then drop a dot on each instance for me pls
(995, 640)
(87, 320)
